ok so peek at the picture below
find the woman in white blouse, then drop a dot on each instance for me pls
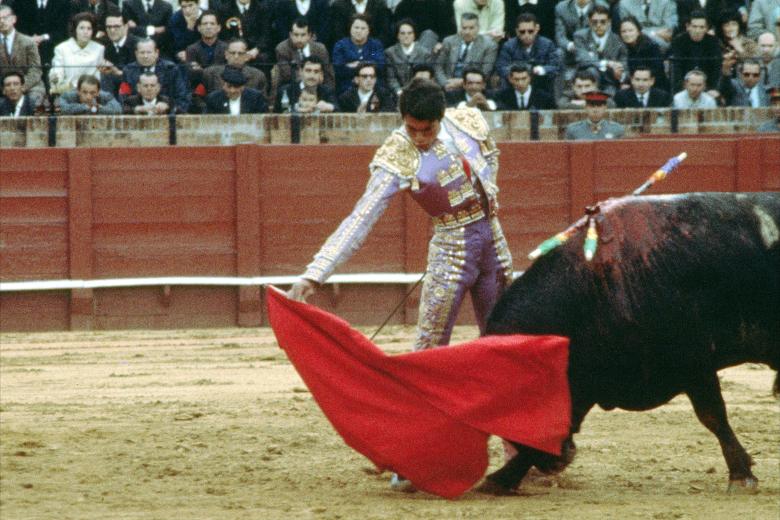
(77, 55)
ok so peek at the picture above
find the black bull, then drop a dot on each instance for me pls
(680, 287)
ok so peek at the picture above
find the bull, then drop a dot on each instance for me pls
(681, 286)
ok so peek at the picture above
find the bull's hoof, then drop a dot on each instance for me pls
(743, 486)
(491, 487)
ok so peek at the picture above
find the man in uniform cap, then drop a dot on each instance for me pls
(235, 98)
(774, 98)
(596, 126)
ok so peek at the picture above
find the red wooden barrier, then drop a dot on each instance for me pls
(264, 210)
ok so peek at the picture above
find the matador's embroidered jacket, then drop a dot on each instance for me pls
(436, 178)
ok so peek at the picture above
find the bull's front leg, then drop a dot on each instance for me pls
(505, 480)
(707, 400)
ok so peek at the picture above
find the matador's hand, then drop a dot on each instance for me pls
(302, 290)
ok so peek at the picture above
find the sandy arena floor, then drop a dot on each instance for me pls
(213, 424)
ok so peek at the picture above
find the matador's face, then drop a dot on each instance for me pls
(422, 133)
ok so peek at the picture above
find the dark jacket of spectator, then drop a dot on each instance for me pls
(647, 53)
(286, 11)
(7, 108)
(293, 91)
(288, 61)
(172, 82)
(122, 56)
(543, 10)
(51, 21)
(428, 15)
(686, 54)
(657, 98)
(255, 27)
(537, 100)
(198, 53)
(345, 51)
(252, 102)
(382, 100)
(99, 10)
(180, 36)
(128, 106)
(158, 16)
(543, 52)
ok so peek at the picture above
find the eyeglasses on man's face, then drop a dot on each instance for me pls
(367, 76)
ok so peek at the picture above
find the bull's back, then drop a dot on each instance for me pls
(679, 285)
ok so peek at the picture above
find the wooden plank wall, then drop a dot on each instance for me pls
(264, 210)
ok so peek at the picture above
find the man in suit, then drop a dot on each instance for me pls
(236, 57)
(15, 103)
(300, 44)
(489, 12)
(316, 12)
(642, 93)
(46, 22)
(521, 94)
(310, 75)
(120, 50)
(172, 82)
(207, 51)
(181, 29)
(88, 99)
(464, 49)
(769, 53)
(529, 48)
(249, 20)
(601, 50)
(148, 101)
(745, 91)
(473, 93)
(18, 52)
(234, 98)
(572, 16)
(543, 10)
(658, 18)
(365, 95)
(595, 126)
(763, 16)
(149, 19)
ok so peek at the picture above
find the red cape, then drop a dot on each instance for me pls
(427, 415)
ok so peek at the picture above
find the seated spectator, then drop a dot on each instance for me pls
(88, 99)
(148, 101)
(365, 95)
(358, 48)
(527, 47)
(14, 102)
(119, 51)
(695, 49)
(236, 57)
(521, 94)
(465, 49)
(774, 125)
(490, 14)
(172, 81)
(543, 10)
(423, 70)
(746, 90)
(693, 95)
(77, 56)
(19, 53)
(299, 45)
(316, 12)
(473, 93)
(182, 28)
(585, 80)
(730, 30)
(595, 126)
(642, 93)
(764, 16)
(712, 10)
(376, 12)
(307, 102)
(207, 51)
(572, 16)
(249, 20)
(403, 55)
(149, 19)
(602, 50)
(433, 19)
(658, 18)
(769, 53)
(310, 75)
(99, 9)
(234, 98)
(642, 51)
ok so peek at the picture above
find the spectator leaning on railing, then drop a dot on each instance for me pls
(746, 89)
(474, 92)
(148, 101)
(693, 95)
(234, 98)
(643, 93)
(14, 102)
(88, 99)
(366, 96)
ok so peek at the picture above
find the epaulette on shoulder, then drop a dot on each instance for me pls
(469, 120)
(398, 155)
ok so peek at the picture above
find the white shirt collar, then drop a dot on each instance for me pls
(364, 96)
(235, 106)
(360, 7)
(303, 6)
(18, 107)
(408, 50)
(150, 103)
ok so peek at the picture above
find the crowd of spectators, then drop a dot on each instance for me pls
(318, 56)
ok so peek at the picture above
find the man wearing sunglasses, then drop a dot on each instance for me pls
(598, 48)
(745, 90)
(529, 48)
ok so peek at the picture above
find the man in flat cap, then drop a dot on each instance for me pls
(596, 126)
(774, 124)
(235, 98)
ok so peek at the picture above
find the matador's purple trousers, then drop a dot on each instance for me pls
(473, 258)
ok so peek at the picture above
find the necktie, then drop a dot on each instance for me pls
(300, 55)
(148, 4)
(42, 4)
(582, 19)
(522, 101)
(464, 52)
(4, 50)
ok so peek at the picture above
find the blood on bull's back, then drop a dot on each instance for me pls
(680, 287)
